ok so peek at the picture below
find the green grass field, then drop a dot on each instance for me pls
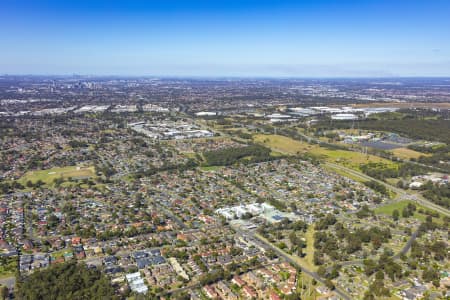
(210, 168)
(283, 144)
(47, 176)
(346, 158)
(405, 153)
(309, 251)
(389, 208)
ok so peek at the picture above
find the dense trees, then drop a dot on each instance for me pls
(378, 289)
(66, 281)
(435, 130)
(408, 210)
(385, 265)
(190, 164)
(376, 186)
(325, 222)
(439, 148)
(423, 252)
(439, 154)
(338, 245)
(214, 276)
(228, 156)
(395, 214)
(77, 144)
(436, 160)
(364, 212)
(437, 193)
(10, 186)
(431, 275)
(382, 171)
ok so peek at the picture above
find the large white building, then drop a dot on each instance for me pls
(344, 117)
(263, 210)
(205, 114)
(136, 283)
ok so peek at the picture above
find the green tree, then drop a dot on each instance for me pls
(395, 214)
(66, 281)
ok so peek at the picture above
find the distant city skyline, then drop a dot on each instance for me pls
(321, 38)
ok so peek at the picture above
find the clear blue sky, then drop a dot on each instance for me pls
(226, 38)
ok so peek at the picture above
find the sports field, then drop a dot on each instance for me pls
(47, 176)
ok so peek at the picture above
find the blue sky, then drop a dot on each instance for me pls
(226, 38)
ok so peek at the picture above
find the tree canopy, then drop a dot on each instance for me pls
(66, 281)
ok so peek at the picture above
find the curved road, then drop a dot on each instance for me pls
(264, 244)
(404, 250)
(314, 275)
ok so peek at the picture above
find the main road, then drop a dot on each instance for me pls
(401, 194)
(266, 245)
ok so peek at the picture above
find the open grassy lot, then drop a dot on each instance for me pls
(210, 168)
(309, 251)
(352, 159)
(47, 176)
(389, 208)
(284, 144)
(405, 153)
(349, 159)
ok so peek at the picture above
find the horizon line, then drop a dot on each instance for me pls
(223, 76)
